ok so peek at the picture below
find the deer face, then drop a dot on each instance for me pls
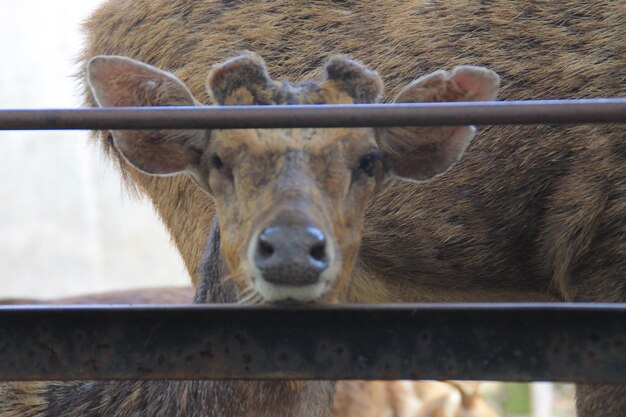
(290, 202)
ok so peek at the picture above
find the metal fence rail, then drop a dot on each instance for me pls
(507, 342)
(368, 115)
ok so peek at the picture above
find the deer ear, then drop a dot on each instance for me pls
(419, 153)
(122, 82)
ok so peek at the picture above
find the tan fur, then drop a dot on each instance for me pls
(451, 399)
(409, 399)
(23, 399)
(362, 399)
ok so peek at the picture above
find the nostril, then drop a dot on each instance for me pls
(318, 252)
(264, 248)
(291, 255)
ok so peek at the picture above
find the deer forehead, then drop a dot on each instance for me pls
(283, 93)
(267, 143)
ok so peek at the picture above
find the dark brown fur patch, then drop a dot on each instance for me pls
(355, 79)
(244, 80)
(241, 80)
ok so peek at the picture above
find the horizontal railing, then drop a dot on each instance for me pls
(506, 342)
(366, 115)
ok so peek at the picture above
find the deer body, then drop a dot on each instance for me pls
(499, 226)
(530, 213)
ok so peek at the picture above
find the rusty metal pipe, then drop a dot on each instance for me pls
(368, 115)
(507, 342)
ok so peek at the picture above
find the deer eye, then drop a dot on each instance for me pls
(367, 163)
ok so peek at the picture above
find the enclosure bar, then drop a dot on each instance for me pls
(366, 115)
(506, 342)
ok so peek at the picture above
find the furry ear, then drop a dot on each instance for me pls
(354, 79)
(242, 80)
(122, 82)
(419, 153)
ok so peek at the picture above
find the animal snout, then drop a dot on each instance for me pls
(291, 255)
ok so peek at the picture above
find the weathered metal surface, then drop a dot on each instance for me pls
(507, 342)
(372, 115)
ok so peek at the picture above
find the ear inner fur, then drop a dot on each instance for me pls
(419, 153)
(123, 82)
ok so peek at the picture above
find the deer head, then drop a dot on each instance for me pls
(290, 202)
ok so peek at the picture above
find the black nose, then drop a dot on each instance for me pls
(291, 255)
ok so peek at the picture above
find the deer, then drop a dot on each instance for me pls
(138, 296)
(530, 213)
(286, 200)
(409, 399)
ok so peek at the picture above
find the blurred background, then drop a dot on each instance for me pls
(67, 227)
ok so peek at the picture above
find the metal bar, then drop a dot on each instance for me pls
(368, 115)
(507, 342)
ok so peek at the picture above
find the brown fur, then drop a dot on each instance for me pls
(530, 213)
(502, 220)
(164, 399)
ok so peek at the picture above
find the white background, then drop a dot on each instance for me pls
(66, 224)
